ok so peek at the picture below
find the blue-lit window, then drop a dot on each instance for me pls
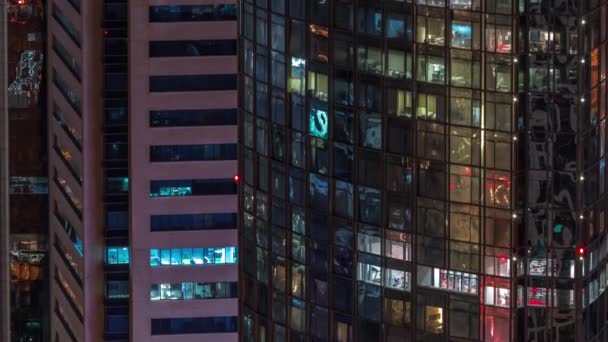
(117, 255)
(190, 290)
(194, 187)
(193, 256)
(173, 153)
(176, 13)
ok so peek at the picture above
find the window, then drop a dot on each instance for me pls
(70, 95)
(433, 319)
(71, 130)
(464, 320)
(430, 107)
(397, 279)
(194, 325)
(192, 48)
(193, 290)
(431, 69)
(66, 24)
(431, 30)
(193, 256)
(203, 117)
(176, 153)
(160, 223)
(497, 292)
(471, 5)
(371, 59)
(465, 35)
(68, 259)
(67, 191)
(70, 230)
(398, 245)
(177, 13)
(117, 289)
(192, 83)
(399, 64)
(193, 187)
(498, 38)
(117, 255)
(66, 57)
(370, 20)
(462, 282)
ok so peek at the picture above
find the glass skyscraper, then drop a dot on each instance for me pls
(423, 170)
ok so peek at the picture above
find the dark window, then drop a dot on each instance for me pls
(189, 48)
(173, 13)
(117, 323)
(206, 117)
(165, 153)
(115, 12)
(193, 222)
(192, 187)
(192, 83)
(117, 219)
(194, 325)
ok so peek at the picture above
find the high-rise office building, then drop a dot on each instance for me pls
(142, 144)
(423, 170)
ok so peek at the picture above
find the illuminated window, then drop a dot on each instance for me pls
(431, 69)
(193, 291)
(117, 255)
(433, 319)
(193, 256)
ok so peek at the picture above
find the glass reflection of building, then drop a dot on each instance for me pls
(423, 170)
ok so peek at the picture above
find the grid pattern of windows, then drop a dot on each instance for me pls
(457, 143)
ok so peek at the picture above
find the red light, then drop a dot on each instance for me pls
(581, 251)
(105, 32)
(236, 178)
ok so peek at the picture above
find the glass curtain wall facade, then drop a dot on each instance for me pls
(423, 170)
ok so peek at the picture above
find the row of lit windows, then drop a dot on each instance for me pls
(193, 256)
(193, 187)
(193, 290)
